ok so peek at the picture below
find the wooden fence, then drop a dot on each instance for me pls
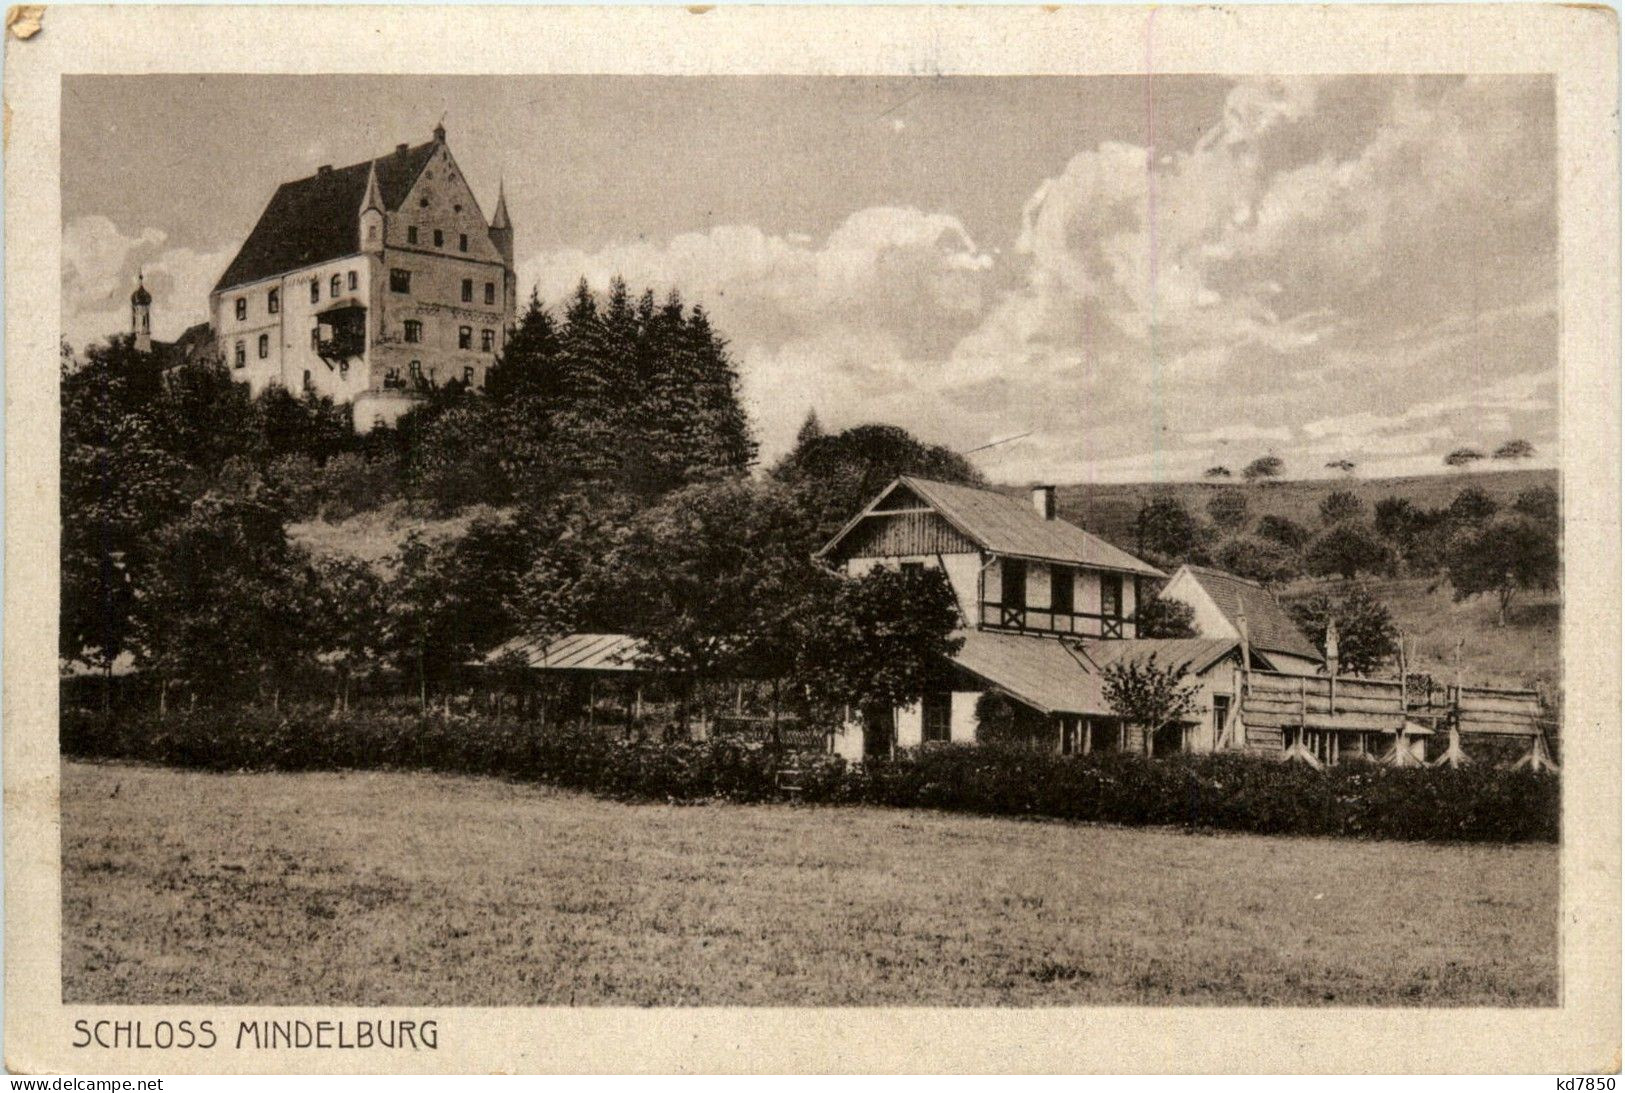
(1323, 719)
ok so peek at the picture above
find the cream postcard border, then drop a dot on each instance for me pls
(1579, 45)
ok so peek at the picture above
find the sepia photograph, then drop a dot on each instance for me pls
(988, 541)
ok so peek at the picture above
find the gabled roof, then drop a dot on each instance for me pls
(1269, 627)
(1004, 525)
(317, 219)
(1057, 676)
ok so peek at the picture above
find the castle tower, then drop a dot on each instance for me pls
(141, 314)
(502, 228)
(372, 214)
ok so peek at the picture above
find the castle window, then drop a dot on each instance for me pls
(315, 291)
(465, 337)
(372, 232)
(462, 241)
(490, 293)
(439, 238)
(468, 375)
(416, 369)
(308, 385)
(242, 308)
(265, 346)
(400, 280)
(353, 281)
(335, 285)
(315, 339)
(487, 339)
(423, 203)
(273, 301)
(458, 209)
(412, 235)
(240, 356)
(468, 291)
(414, 330)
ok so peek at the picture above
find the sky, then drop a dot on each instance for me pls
(1139, 278)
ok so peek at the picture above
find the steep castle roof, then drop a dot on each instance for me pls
(317, 218)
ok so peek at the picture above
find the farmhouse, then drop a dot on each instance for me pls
(1224, 604)
(1046, 609)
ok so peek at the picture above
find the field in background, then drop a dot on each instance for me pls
(410, 889)
(1109, 509)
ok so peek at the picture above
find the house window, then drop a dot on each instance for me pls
(308, 385)
(335, 285)
(315, 339)
(468, 291)
(400, 280)
(465, 337)
(1060, 592)
(439, 238)
(468, 375)
(1221, 714)
(934, 718)
(242, 308)
(913, 567)
(1013, 580)
(412, 234)
(487, 340)
(273, 301)
(265, 346)
(240, 356)
(416, 371)
(352, 280)
(490, 292)
(414, 330)
(315, 291)
(462, 242)
(1111, 595)
(372, 232)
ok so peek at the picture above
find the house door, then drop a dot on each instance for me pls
(878, 733)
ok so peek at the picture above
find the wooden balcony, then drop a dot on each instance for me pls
(1040, 620)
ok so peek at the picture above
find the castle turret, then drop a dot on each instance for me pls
(141, 314)
(372, 214)
(502, 228)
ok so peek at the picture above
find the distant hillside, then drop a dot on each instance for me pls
(1109, 509)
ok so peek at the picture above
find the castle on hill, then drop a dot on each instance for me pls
(367, 284)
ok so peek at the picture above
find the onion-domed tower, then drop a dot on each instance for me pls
(141, 314)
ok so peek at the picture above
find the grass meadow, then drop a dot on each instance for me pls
(418, 889)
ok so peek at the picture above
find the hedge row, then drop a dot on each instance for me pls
(1227, 792)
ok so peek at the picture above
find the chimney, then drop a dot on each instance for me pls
(400, 149)
(1044, 501)
(325, 169)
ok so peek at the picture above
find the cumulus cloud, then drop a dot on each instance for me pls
(99, 266)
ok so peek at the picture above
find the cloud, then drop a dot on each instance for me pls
(99, 266)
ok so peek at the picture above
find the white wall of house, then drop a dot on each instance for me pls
(1209, 621)
(963, 570)
(848, 742)
(910, 725)
(962, 717)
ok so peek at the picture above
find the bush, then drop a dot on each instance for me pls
(1476, 803)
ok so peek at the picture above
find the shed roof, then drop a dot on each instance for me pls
(1057, 676)
(1269, 627)
(575, 653)
(317, 218)
(1001, 524)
